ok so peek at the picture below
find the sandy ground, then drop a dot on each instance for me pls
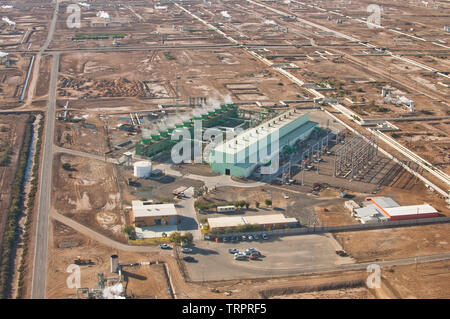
(89, 194)
(77, 137)
(396, 242)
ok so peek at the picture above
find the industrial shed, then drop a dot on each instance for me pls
(275, 221)
(380, 209)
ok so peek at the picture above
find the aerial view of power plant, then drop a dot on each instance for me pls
(225, 149)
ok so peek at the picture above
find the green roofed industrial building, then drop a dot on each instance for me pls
(256, 146)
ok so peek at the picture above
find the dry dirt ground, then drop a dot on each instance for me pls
(12, 128)
(429, 280)
(143, 281)
(88, 193)
(395, 242)
(347, 293)
(12, 79)
(151, 76)
(44, 77)
(78, 137)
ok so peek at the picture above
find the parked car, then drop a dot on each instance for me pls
(240, 256)
(264, 236)
(207, 237)
(235, 239)
(165, 246)
(225, 239)
(243, 237)
(254, 257)
(255, 253)
(256, 237)
(186, 250)
(249, 251)
(250, 237)
(233, 250)
(341, 253)
(190, 259)
(185, 244)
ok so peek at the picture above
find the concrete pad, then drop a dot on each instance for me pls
(155, 231)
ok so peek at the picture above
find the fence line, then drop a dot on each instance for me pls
(331, 229)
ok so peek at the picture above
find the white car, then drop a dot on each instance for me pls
(240, 256)
(249, 251)
(186, 250)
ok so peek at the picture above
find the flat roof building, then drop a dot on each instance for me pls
(379, 209)
(256, 146)
(147, 214)
(265, 221)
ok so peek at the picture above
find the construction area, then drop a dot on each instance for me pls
(360, 108)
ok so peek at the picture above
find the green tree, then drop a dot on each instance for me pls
(175, 237)
(128, 230)
(268, 202)
(66, 166)
(257, 204)
(188, 238)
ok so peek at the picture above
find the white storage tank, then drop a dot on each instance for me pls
(142, 169)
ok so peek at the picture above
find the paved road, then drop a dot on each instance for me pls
(210, 181)
(41, 246)
(37, 62)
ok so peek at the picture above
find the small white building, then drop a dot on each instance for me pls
(142, 169)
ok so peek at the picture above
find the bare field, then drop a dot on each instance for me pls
(12, 79)
(88, 193)
(393, 243)
(151, 76)
(86, 136)
(428, 281)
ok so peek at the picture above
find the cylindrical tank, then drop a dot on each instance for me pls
(114, 263)
(142, 169)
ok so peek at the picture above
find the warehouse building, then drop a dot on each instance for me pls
(381, 209)
(147, 214)
(276, 221)
(241, 155)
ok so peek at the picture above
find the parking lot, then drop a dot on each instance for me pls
(281, 256)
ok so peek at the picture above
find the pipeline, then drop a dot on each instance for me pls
(24, 89)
